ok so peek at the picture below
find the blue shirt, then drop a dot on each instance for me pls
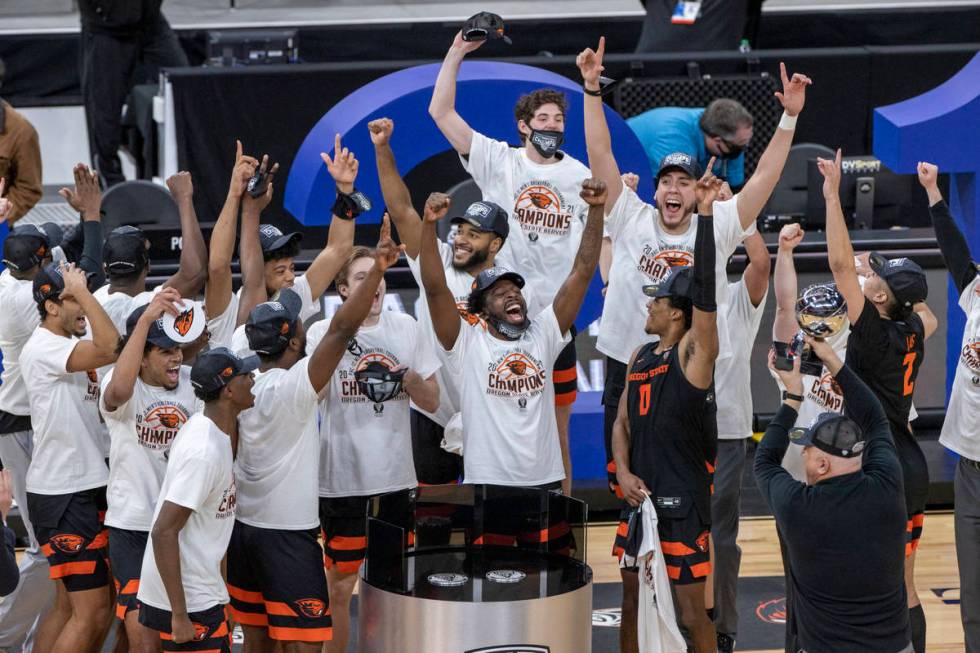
(666, 130)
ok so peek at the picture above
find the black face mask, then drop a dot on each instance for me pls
(733, 152)
(508, 330)
(547, 142)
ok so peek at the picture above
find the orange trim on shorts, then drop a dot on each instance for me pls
(343, 566)
(618, 552)
(120, 612)
(711, 468)
(82, 568)
(279, 609)
(915, 522)
(623, 529)
(47, 550)
(245, 595)
(100, 541)
(301, 634)
(566, 398)
(132, 587)
(673, 572)
(347, 543)
(250, 618)
(676, 549)
(565, 375)
(701, 570)
(611, 467)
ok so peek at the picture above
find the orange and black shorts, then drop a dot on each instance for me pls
(565, 374)
(276, 581)
(913, 530)
(126, 550)
(684, 542)
(70, 529)
(212, 634)
(344, 524)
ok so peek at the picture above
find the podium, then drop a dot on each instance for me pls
(475, 568)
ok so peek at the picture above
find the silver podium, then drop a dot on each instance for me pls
(475, 569)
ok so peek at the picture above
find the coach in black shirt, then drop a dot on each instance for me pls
(845, 528)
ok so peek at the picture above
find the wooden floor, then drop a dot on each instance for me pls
(935, 570)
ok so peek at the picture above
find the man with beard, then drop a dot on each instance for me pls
(889, 325)
(482, 231)
(66, 493)
(146, 398)
(510, 434)
(275, 569)
(648, 240)
(539, 186)
(365, 438)
(665, 436)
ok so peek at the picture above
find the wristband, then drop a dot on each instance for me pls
(791, 396)
(348, 207)
(589, 91)
(787, 122)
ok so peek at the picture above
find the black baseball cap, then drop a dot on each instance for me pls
(48, 283)
(832, 433)
(486, 216)
(483, 26)
(26, 246)
(272, 237)
(124, 251)
(156, 335)
(679, 282)
(487, 278)
(680, 161)
(271, 324)
(903, 276)
(215, 369)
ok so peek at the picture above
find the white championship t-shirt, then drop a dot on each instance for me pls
(510, 435)
(277, 467)
(18, 320)
(733, 379)
(69, 454)
(141, 432)
(643, 253)
(460, 284)
(366, 448)
(225, 334)
(119, 305)
(199, 477)
(961, 430)
(545, 212)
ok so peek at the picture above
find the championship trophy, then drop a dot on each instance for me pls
(821, 312)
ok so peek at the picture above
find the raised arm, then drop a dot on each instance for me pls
(397, 199)
(340, 238)
(756, 274)
(193, 269)
(699, 346)
(166, 553)
(442, 107)
(568, 299)
(775, 483)
(217, 289)
(784, 327)
(442, 305)
(424, 392)
(952, 243)
(597, 139)
(101, 349)
(250, 258)
(758, 188)
(119, 390)
(87, 200)
(348, 318)
(929, 320)
(633, 488)
(840, 253)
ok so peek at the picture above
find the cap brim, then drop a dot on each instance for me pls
(162, 341)
(654, 290)
(249, 365)
(801, 436)
(55, 234)
(470, 221)
(283, 240)
(513, 276)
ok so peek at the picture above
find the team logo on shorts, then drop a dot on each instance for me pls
(702, 542)
(541, 211)
(158, 425)
(971, 355)
(772, 611)
(312, 608)
(657, 262)
(67, 543)
(200, 631)
(516, 374)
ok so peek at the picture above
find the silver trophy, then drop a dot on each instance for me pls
(821, 312)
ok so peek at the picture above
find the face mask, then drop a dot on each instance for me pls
(508, 330)
(734, 151)
(547, 142)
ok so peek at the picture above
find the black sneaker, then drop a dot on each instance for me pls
(725, 643)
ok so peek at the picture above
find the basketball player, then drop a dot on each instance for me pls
(366, 440)
(961, 432)
(539, 186)
(889, 325)
(648, 240)
(510, 435)
(146, 398)
(275, 569)
(182, 592)
(482, 231)
(747, 301)
(665, 435)
(67, 476)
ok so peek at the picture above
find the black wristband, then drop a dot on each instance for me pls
(349, 206)
(791, 396)
(588, 91)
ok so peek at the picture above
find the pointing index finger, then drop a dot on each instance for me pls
(782, 73)
(601, 50)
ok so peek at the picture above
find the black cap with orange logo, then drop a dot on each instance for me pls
(271, 324)
(156, 335)
(28, 245)
(215, 369)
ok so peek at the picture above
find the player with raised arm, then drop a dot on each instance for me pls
(665, 435)
(889, 325)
